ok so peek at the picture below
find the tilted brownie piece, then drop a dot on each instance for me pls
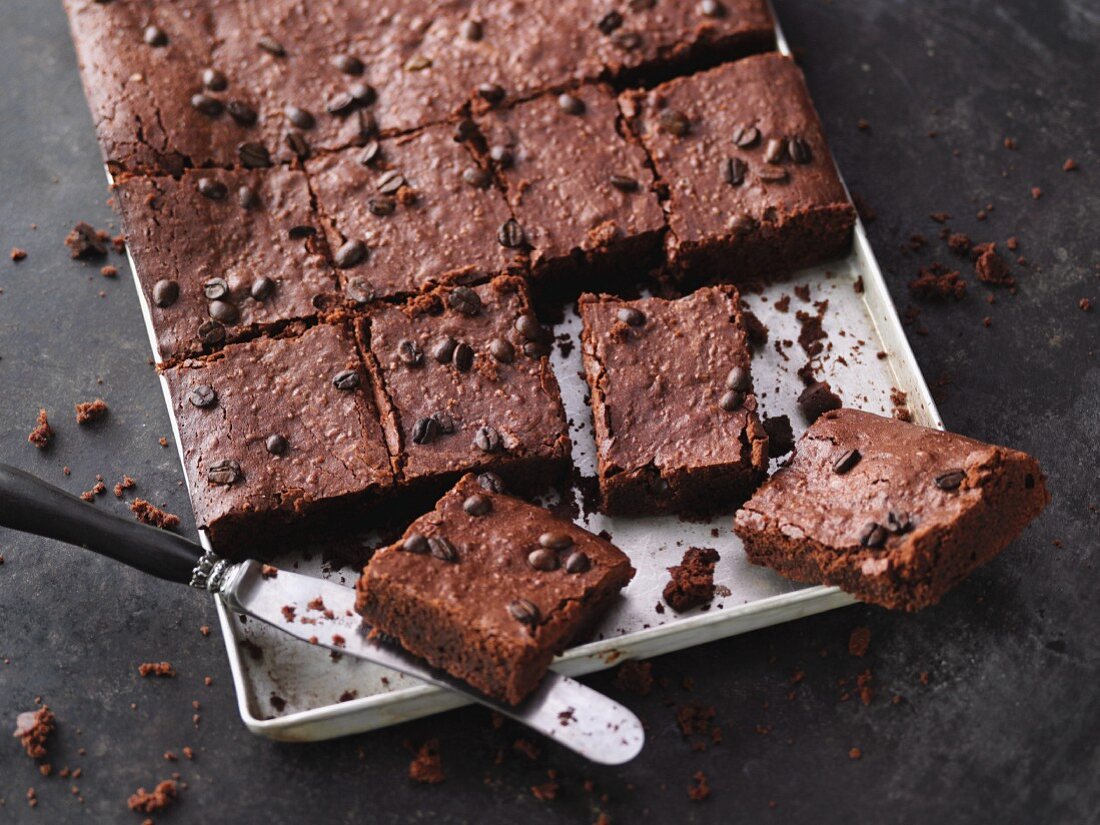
(753, 192)
(275, 430)
(221, 255)
(404, 217)
(894, 513)
(582, 193)
(490, 588)
(464, 383)
(675, 414)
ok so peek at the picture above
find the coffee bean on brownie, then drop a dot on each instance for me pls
(211, 333)
(775, 150)
(372, 150)
(477, 177)
(898, 522)
(276, 444)
(536, 349)
(340, 104)
(501, 156)
(247, 197)
(731, 400)
(609, 22)
(301, 118)
(409, 353)
(738, 379)
(571, 104)
(524, 611)
(425, 430)
(577, 562)
(209, 106)
(262, 288)
(799, 150)
(529, 327)
(350, 253)
(271, 45)
(215, 289)
(624, 183)
(950, 480)
(442, 549)
(359, 290)
(477, 505)
(214, 80)
(346, 380)
(627, 40)
(543, 559)
(631, 316)
(202, 396)
(154, 36)
(226, 471)
(389, 182)
(772, 174)
(674, 122)
(745, 136)
(444, 349)
(490, 481)
(511, 234)
(487, 439)
(415, 543)
(242, 113)
(463, 357)
(254, 155)
(362, 93)
(491, 93)
(213, 189)
(223, 311)
(445, 422)
(382, 205)
(873, 535)
(463, 299)
(555, 540)
(711, 8)
(465, 130)
(502, 350)
(165, 293)
(348, 64)
(472, 30)
(847, 460)
(297, 144)
(734, 170)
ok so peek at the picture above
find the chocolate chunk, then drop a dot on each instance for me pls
(202, 395)
(346, 380)
(425, 430)
(577, 562)
(415, 543)
(165, 293)
(631, 316)
(409, 353)
(477, 505)
(524, 611)
(463, 299)
(350, 253)
(847, 460)
(463, 357)
(488, 440)
(543, 560)
(511, 234)
(442, 549)
(950, 480)
(225, 472)
(276, 444)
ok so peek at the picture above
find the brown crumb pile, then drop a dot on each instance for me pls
(991, 267)
(699, 788)
(85, 241)
(156, 669)
(859, 641)
(427, 767)
(149, 513)
(545, 792)
(18, 254)
(937, 281)
(126, 484)
(98, 489)
(163, 795)
(89, 411)
(635, 677)
(692, 580)
(42, 433)
(697, 725)
(32, 728)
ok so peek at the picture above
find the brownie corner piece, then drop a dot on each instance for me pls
(464, 383)
(753, 191)
(277, 432)
(490, 588)
(674, 409)
(894, 513)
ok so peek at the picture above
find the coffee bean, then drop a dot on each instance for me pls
(488, 440)
(631, 316)
(711, 8)
(529, 327)
(425, 430)
(741, 224)
(389, 182)
(442, 549)
(382, 205)
(555, 540)
(271, 46)
(297, 144)
(226, 471)
(950, 480)
(211, 333)
(348, 64)
(641, 5)
(366, 126)
(772, 174)
(477, 177)
(775, 150)
(501, 156)
(627, 40)
(745, 136)
(738, 379)
(609, 22)
(543, 559)
(299, 117)
(154, 36)
(363, 94)
(731, 400)
(165, 293)
(340, 104)
(536, 349)
(463, 357)
(490, 481)
(209, 106)
(491, 93)
(477, 505)
(624, 183)
(247, 197)
(359, 290)
(873, 535)
(415, 543)
(262, 288)
(350, 253)
(577, 562)
(523, 611)
(673, 122)
(223, 312)
(202, 396)
(215, 289)
(570, 104)
(847, 460)
(734, 170)
(502, 351)
(253, 155)
(242, 113)
(418, 63)
(463, 299)
(346, 380)
(214, 80)
(465, 130)
(301, 232)
(898, 522)
(213, 189)
(371, 152)
(276, 444)
(472, 30)
(799, 150)
(409, 353)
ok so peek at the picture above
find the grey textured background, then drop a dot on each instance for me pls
(1007, 727)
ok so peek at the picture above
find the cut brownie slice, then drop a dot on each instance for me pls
(894, 513)
(274, 430)
(464, 383)
(490, 588)
(753, 192)
(221, 255)
(413, 212)
(675, 414)
(582, 193)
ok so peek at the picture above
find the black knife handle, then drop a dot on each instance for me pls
(30, 505)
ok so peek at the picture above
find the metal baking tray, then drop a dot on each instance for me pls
(294, 692)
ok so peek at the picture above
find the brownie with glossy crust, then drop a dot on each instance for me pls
(275, 430)
(243, 246)
(675, 415)
(894, 513)
(464, 382)
(752, 189)
(490, 588)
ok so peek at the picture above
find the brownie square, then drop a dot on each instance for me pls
(407, 219)
(222, 255)
(490, 588)
(675, 416)
(582, 193)
(894, 513)
(464, 382)
(275, 430)
(753, 192)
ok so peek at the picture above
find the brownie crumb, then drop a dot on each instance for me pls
(545, 792)
(98, 489)
(426, 767)
(937, 281)
(1085, 304)
(635, 677)
(959, 243)
(754, 327)
(1036, 193)
(148, 513)
(84, 241)
(42, 433)
(527, 748)
(89, 411)
(18, 254)
(269, 571)
(700, 788)
(991, 267)
(818, 398)
(156, 669)
(127, 483)
(780, 435)
(940, 217)
(1070, 165)
(859, 641)
(32, 728)
(109, 271)
(855, 753)
(692, 580)
(163, 795)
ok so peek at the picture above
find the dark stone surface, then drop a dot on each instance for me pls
(1006, 730)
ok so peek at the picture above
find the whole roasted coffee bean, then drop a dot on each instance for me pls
(271, 45)
(247, 197)
(444, 349)
(775, 150)
(213, 189)
(262, 288)
(529, 327)
(154, 36)
(211, 333)
(348, 64)
(738, 379)
(731, 400)
(734, 171)
(711, 8)
(631, 316)
(465, 300)
(214, 80)
(425, 430)
(202, 396)
(415, 543)
(463, 357)
(477, 177)
(409, 353)
(223, 312)
(276, 444)
(571, 104)
(488, 440)
(362, 93)
(950, 480)
(772, 174)
(442, 549)
(225, 472)
(254, 155)
(490, 481)
(382, 205)
(543, 559)
(491, 93)
(555, 540)
(799, 150)
(340, 104)
(346, 380)
(846, 461)
(297, 144)
(609, 22)
(577, 562)
(745, 136)
(524, 611)
(301, 118)
(215, 289)
(624, 183)
(390, 181)
(898, 522)
(502, 156)
(209, 106)
(511, 234)
(359, 290)
(350, 253)
(242, 113)
(165, 293)
(477, 505)
(418, 63)
(674, 122)
(301, 232)
(502, 350)
(628, 41)
(536, 349)
(372, 150)
(472, 30)
(465, 130)
(873, 535)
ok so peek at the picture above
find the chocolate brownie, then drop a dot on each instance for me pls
(490, 588)
(223, 254)
(894, 513)
(675, 414)
(583, 194)
(753, 192)
(463, 382)
(404, 216)
(277, 429)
